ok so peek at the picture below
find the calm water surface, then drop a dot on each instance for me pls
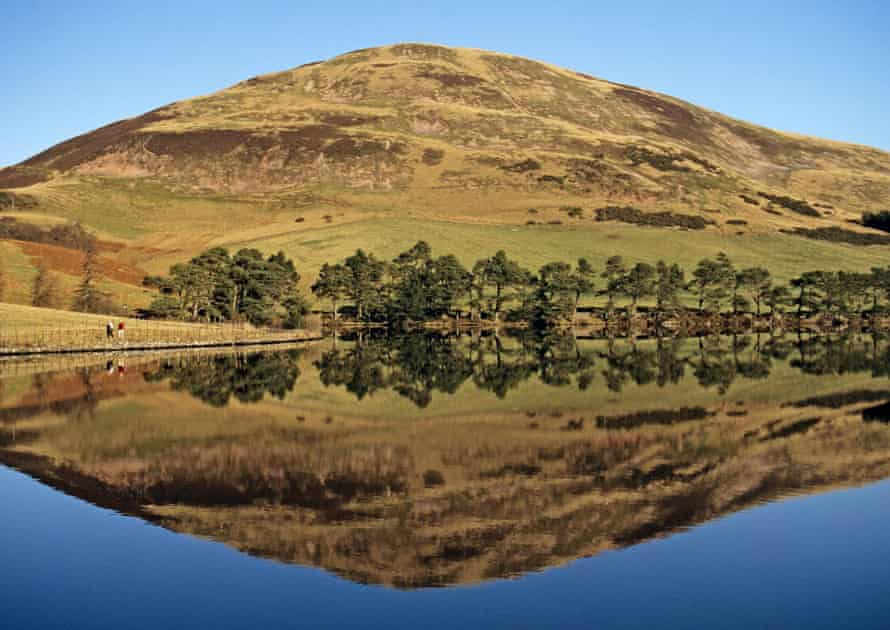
(451, 482)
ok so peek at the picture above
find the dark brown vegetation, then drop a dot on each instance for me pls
(348, 120)
(452, 79)
(523, 167)
(795, 205)
(844, 399)
(674, 119)
(205, 142)
(573, 211)
(877, 220)
(19, 177)
(656, 416)
(70, 235)
(666, 161)
(13, 201)
(635, 216)
(432, 157)
(840, 235)
(88, 146)
(799, 426)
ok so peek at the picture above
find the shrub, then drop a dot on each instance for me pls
(840, 235)
(552, 179)
(433, 478)
(431, 157)
(523, 167)
(629, 214)
(736, 222)
(573, 211)
(666, 161)
(795, 205)
(877, 220)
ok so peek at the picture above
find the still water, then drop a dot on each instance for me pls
(440, 481)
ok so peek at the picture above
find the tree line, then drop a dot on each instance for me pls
(418, 286)
(217, 286)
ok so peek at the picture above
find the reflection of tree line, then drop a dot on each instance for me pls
(418, 365)
(246, 377)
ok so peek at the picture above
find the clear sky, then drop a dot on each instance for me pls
(817, 67)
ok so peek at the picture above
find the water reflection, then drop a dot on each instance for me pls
(246, 377)
(416, 366)
(507, 454)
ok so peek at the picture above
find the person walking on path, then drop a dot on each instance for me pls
(120, 331)
(109, 331)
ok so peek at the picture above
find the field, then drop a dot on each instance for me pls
(786, 256)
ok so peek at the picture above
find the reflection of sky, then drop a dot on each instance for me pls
(815, 562)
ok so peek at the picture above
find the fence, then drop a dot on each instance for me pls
(147, 334)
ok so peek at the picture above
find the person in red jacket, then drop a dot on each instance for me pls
(120, 331)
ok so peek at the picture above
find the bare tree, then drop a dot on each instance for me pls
(45, 289)
(2, 280)
(87, 296)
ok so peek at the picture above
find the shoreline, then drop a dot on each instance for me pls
(689, 325)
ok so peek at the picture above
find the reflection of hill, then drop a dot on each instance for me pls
(456, 500)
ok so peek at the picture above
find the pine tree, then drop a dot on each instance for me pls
(364, 281)
(500, 274)
(669, 283)
(637, 284)
(332, 284)
(613, 275)
(755, 283)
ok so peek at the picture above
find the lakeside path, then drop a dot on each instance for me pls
(26, 330)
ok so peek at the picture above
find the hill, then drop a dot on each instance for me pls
(469, 148)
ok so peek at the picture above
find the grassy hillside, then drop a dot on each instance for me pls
(378, 148)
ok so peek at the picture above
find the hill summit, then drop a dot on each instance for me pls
(419, 116)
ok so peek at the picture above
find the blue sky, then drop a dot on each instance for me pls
(819, 68)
